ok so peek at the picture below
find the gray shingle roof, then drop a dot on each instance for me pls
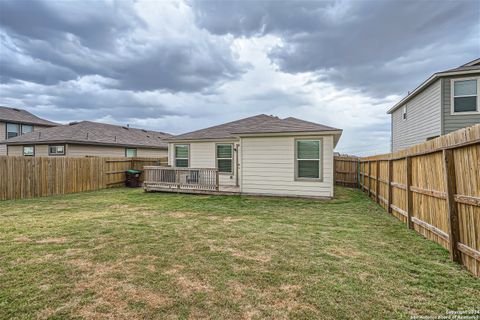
(254, 125)
(22, 116)
(87, 132)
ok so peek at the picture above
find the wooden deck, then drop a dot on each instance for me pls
(185, 180)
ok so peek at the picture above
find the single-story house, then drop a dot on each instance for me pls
(15, 122)
(86, 138)
(263, 155)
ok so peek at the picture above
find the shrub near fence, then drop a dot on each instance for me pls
(434, 188)
(28, 177)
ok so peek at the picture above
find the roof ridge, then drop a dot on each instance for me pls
(226, 124)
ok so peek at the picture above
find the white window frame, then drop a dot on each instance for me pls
(55, 154)
(26, 125)
(28, 155)
(452, 96)
(231, 158)
(19, 129)
(126, 152)
(175, 155)
(320, 159)
(404, 113)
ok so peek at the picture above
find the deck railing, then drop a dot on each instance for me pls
(157, 178)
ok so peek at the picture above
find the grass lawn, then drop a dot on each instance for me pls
(125, 254)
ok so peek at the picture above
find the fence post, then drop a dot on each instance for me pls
(408, 161)
(389, 202)
(357, 184)
(334, 171)
(217, 182)
(450, 185)
(369, 178)
(377, 183)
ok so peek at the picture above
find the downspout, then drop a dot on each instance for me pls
(237, 165)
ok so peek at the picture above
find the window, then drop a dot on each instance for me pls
(56, 150)
(308, 159)
(13, 130)
(225, 158)
(26, 128)
(181, 155)
(28, 150)
(130, 152)
(465, 97)
(404, 114)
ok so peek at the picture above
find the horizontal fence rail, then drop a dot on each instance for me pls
(159, 178)
(434, 188)
(29, 177)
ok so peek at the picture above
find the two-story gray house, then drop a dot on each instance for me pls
(15, 122)
(445, 102)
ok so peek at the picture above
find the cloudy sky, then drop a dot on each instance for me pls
(177, 66)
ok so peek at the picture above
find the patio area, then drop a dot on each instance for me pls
(186, 180)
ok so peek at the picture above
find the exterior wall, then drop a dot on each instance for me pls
(423, 119)
(452, 122)
(3, 148)
(41, 150)
(78, 150)
(203, 155)
(268, 167)
(152, 153)
(3, 136)
(72, 150)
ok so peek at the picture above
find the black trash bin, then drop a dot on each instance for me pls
(133, 178)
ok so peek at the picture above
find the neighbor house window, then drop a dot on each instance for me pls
(308, 159)
(130, 152)
(181, 155)
(225, 158)
(56, 150)
(28, 150)
(465, 96)
(404, 113)
(13, 130)
(26, 128)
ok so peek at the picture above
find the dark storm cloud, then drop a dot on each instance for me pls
(75, 101)
(380, 46)
(47, 42)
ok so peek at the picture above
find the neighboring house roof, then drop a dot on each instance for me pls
(260, 124)
(23, 116)
(468, 68)
(87, 132)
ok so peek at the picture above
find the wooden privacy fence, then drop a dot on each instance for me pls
(434, 188)
(346, 170)
(28, 177)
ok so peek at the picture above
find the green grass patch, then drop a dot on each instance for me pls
(123, 253)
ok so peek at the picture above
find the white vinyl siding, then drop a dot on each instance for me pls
(268, 167)
(202, 155)
(423, 118)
